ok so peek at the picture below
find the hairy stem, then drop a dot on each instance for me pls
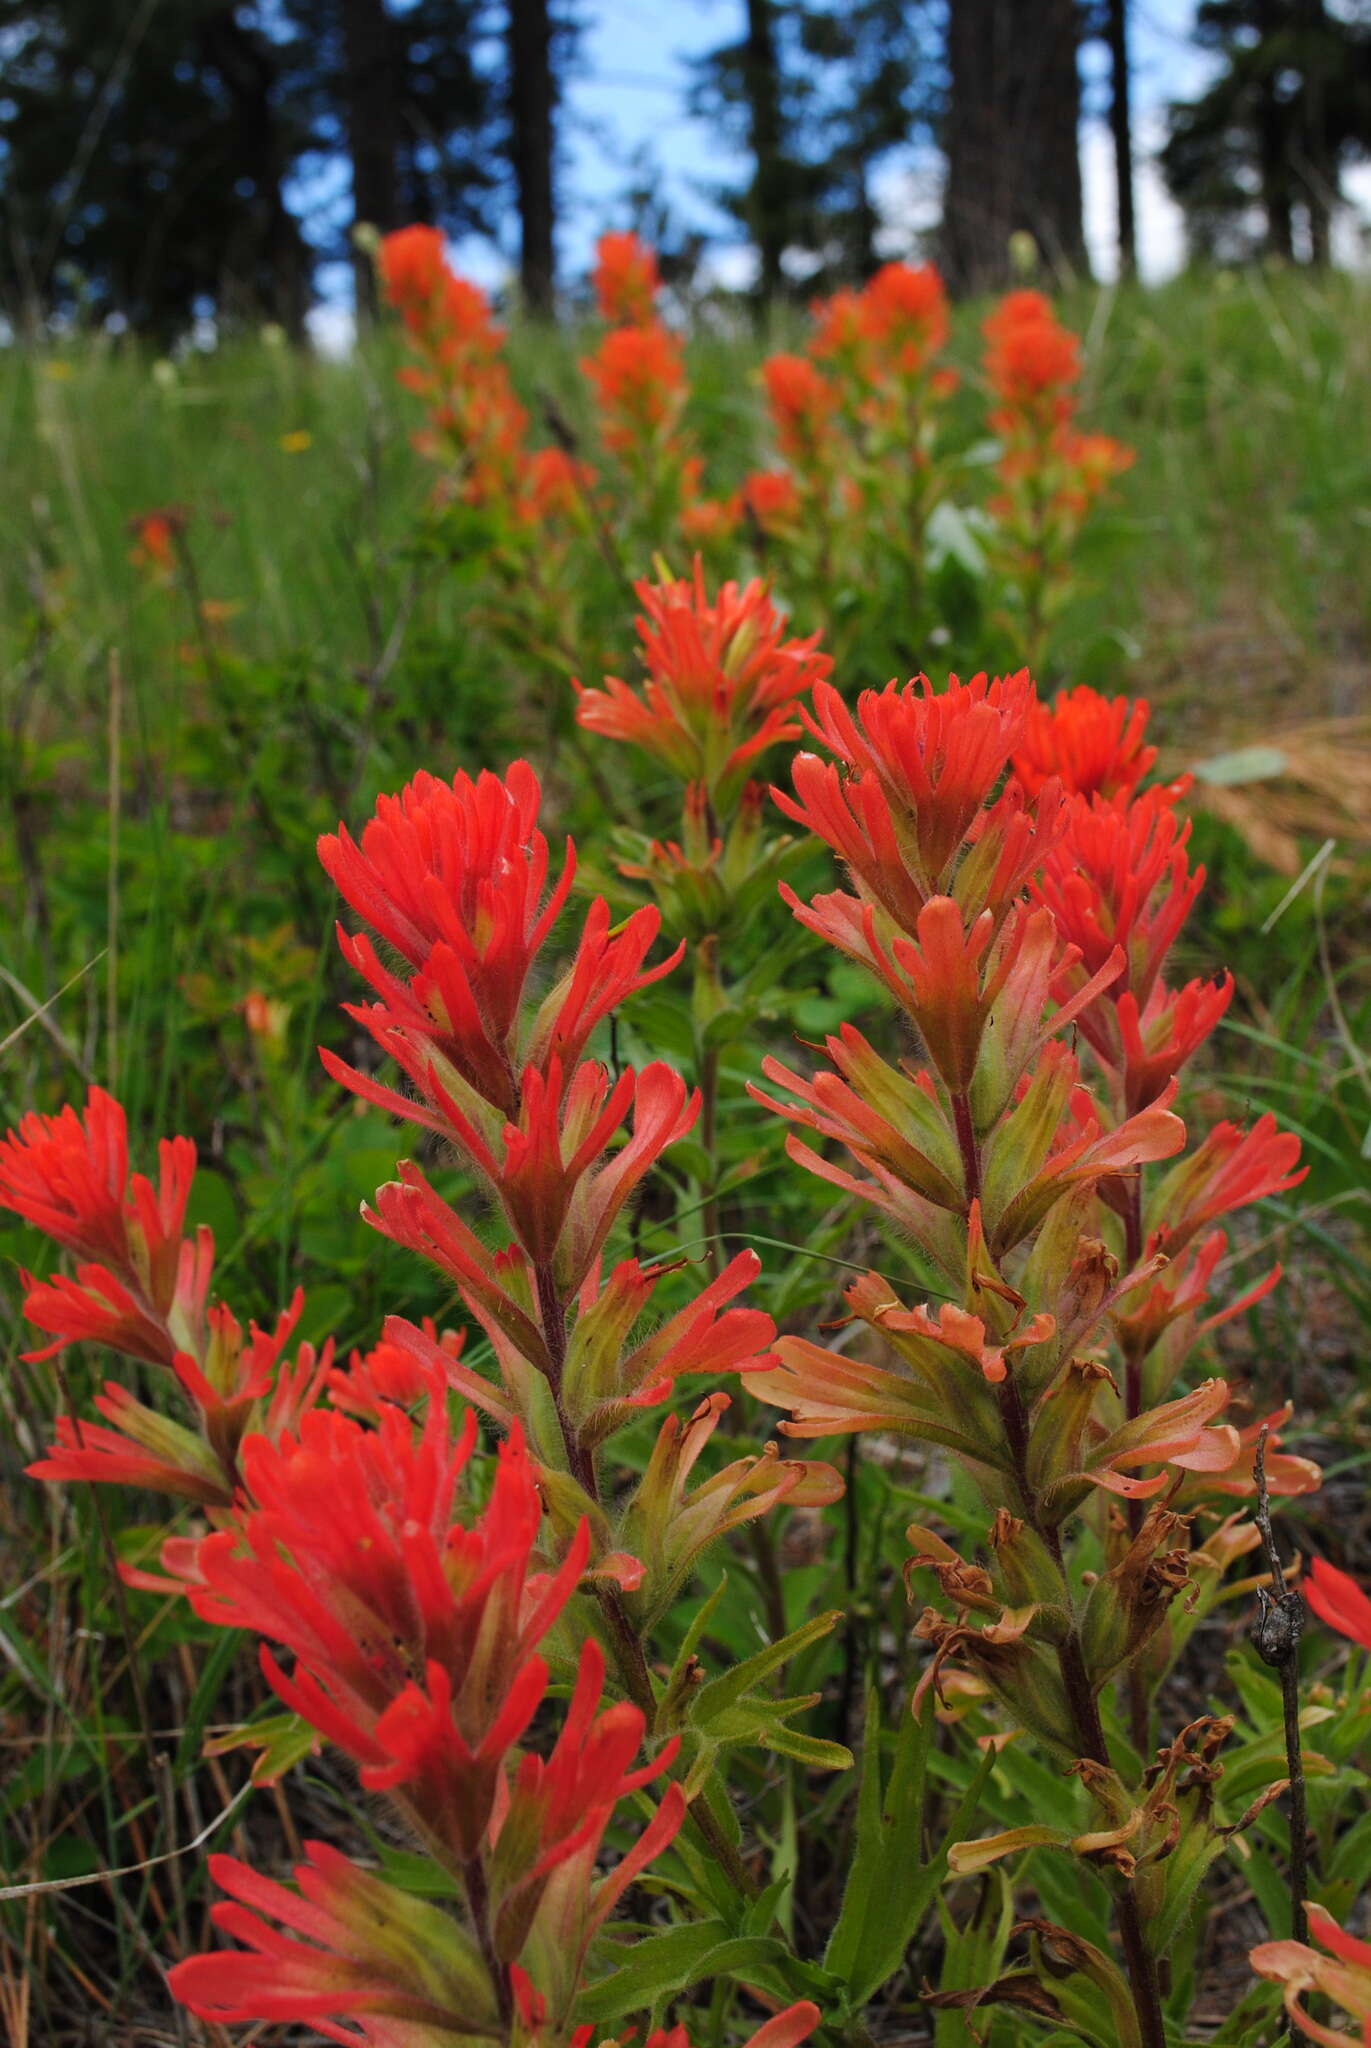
(637, 1682)
(1139, 1706)
(629, 1654)
(970, 1151)
(1090, 1740)
(552, 1315)
(478, 1905)
(709, 1124)
(1276, 1636)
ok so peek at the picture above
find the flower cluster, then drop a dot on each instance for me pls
(456, 878)
(637, 379)
(722, 684)
(417, 1632)
(1050, 473)
(476, 425)
(417, 1635)
(625, 280)
(1013, 889)
(859, 418)
(142, 1287)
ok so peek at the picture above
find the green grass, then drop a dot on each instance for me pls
(1225, 578)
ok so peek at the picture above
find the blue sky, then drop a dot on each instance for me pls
(627, 98)
(629, 94)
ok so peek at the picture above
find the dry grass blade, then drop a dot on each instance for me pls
(1312, 779)
(71, 1884)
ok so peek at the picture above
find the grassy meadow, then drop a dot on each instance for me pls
(174, 742)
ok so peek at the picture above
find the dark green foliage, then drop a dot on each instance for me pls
(1271, 136)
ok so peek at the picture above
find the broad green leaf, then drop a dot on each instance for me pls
(891, 1883)
(727, 1690)
(665, 1964)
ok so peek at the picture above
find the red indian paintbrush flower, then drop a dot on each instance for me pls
(1342, 1973)
(920, 770)
(625, 280)
(455, 876)
(1092, 744)
(638, 375)
(69, 1175)
(241, 1384)
(904, 312)
(1031, 359)
(770, 497)
(1231, 1168)
(722, 682)
(154, 541)
(476, 424)
(447, 311)
(1338, 1600)
(886, 333)
(345, 1946)
(352, 1556)
(1120, 875)
(558, 1807)
(143, 1287)
(542, 1167)
(802, 404)
(149, 1299)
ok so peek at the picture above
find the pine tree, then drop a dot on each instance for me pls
(1012, 141)
(532, 99)
(147, 151)
(143, 159)
(1256, 161)
(877, 86)
(756, 91)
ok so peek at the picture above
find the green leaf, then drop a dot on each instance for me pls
(1244, 764)
(283, 1740)
(665, 1964)
(891, 1883)
(810, 1749)
(729, 1689)
(224, 1653)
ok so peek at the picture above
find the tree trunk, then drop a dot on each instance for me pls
(767, 207)
(370, 90)
(1316, 167)
(1121, 128)
(1013, 151)
(272, 275)
(531, 99)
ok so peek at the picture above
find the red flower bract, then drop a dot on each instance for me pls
(69, 1174)
(625, 279)
(1338, 1600)
(353, 1557)
(722, 682)
(1092, 744)
(802, 403)
(347, 1946)
(638, 374)
(1030, 357)
(922, 767)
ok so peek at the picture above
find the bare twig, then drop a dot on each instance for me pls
(1276, 1636)
(116, 719)
(71, 1884)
